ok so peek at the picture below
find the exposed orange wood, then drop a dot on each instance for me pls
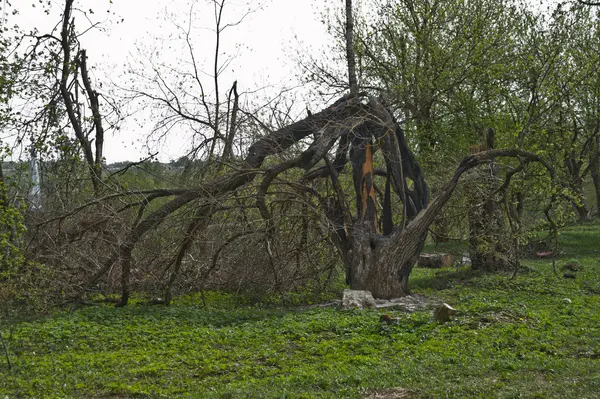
(368, 189)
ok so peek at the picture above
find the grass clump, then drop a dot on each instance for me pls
(534, 336)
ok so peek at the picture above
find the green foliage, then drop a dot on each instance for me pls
(452, 69)
(532, 336)
(12, 229)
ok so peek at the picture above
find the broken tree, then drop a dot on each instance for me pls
(352, 130)
(377, 261)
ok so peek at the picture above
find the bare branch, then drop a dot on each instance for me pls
(350, 49)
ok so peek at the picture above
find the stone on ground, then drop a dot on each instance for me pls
(443, 312)
(357, 299)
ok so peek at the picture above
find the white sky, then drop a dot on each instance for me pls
(263, 45)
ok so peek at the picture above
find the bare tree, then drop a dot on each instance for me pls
(71, 81)
(189, 98)
(57, 99)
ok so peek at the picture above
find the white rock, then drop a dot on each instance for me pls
(356, 299)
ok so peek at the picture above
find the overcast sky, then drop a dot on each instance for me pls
(264, 45)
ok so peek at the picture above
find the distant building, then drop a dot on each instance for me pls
(35, 194)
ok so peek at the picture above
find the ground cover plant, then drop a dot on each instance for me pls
(537, 335)
(477, 122)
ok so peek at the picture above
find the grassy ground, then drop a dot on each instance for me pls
(535, 336)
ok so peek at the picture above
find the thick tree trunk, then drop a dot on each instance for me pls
(574, 167)
(376, 263)
(594, 163)
(383, 265)
(489, 239)
(595, 172)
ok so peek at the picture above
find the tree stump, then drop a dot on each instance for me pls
(435, 261)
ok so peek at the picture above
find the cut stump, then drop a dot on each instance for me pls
(435, 261)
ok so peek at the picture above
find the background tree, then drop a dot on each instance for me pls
(186, 91)
(58, 108)
(451, 71)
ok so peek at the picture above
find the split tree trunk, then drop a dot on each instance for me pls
(376, 263)
(383, 265)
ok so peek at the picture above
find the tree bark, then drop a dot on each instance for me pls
(351, 59)
(67, 37)
(489, 242)
(595, 171)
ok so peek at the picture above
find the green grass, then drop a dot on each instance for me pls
(534, 336)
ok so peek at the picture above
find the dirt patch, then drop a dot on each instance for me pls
(408, 304)
(392, 393)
